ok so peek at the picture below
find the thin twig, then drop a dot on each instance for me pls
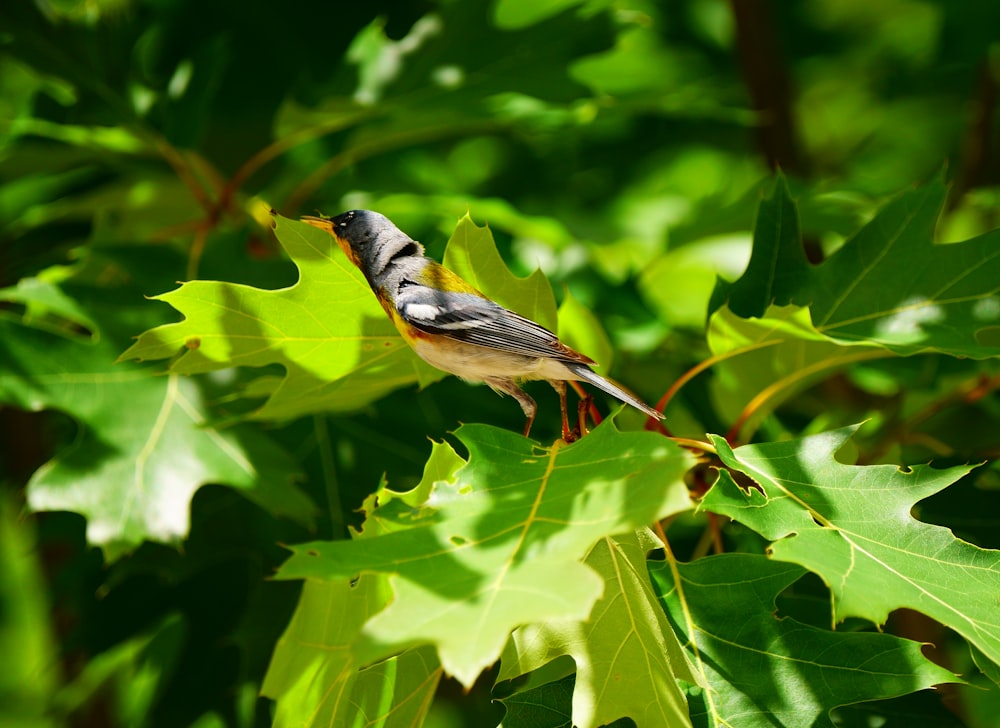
(697, 369)
(791, 380)
(968, 392)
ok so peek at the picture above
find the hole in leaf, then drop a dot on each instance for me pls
(746, 483)
(805, 600)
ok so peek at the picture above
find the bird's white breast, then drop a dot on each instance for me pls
(476, 363)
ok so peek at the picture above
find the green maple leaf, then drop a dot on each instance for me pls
(143, 447)
(324, 672)
(397, 691)
(472, 254)
(626, 634)
(580, 330)
(338, 348)
(760, 670)
(548, 705)
(852, 526)
(501, 542)
(318, 674)
(889, 284)
(47, 304)
(778, 273)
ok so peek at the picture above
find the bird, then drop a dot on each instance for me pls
(456, 328)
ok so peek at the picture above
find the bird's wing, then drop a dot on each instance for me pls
(475, 319)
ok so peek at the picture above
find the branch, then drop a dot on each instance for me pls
(767, 83)
(975, 164)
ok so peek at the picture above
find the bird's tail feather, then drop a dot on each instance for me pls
(589, 375)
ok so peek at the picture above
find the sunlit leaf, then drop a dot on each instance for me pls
(890, 284)
(679, 283)
(321, 672)
(472, 254)
(625, 634)
(398, 691)
(638, 63)
(339, 349)
(501, 544)
(580, 329)
(318, 674)
(337, 345)
(852, 525)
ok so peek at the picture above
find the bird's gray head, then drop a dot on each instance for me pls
(371, 240)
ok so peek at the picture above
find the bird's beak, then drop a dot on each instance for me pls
(318, 222)
(327, 225)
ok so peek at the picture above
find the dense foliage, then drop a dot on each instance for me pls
(233, 496)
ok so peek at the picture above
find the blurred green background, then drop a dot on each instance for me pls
(621, 146)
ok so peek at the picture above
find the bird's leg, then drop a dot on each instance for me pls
(581, 412)
(560, 387)
(586, 397)
(528, 406)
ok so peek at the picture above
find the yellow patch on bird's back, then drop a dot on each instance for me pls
(441, 279)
